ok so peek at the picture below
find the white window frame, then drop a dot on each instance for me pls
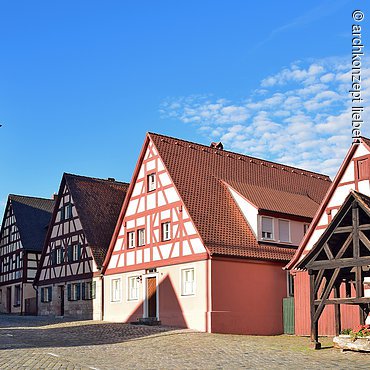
(58, 256)
(133, 292)
(185, 291)
(68, 211)
(166, 234)
(289, 231)
(75, 256)
(88, 290)
(116, 293)
(74, 296)
(151, 182)
(131, 239)
(46, 295)
(141, 237)
(273, 228)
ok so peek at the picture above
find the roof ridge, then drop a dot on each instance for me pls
(29, 197)
(320, 176)
(96, 179)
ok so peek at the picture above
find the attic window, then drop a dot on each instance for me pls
(363, 169)
(267, 228)
(151, 182)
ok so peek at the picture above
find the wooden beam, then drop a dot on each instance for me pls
(343, 229)
(326, 294)
(328, 251)
(338, 326)
(364, 227)
(353, 300)
(344, 262)
(318, 281)
(344, 246)
(364, 240)
(355, 224)
(314, 322)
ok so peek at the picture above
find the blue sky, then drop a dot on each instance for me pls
(81, 82)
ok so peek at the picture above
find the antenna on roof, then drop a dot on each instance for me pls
(218, 145)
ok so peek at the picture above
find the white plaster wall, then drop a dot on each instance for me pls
(192, 308)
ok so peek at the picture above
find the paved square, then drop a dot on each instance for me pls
(39, 343)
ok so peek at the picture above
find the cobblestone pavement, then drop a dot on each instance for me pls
(39, 343)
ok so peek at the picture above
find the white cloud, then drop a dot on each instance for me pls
(300, 116)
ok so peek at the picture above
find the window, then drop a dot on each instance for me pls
(284, 231)
(59, 256)
(363, 169)
(131, 239)
(187, 282)
(141, 237)
(74, 291)
(305, 228)
(76, 252)
(151, 182)
(89, 290)
(133, 288)
(66, 212)
(17, 296)
(267, 228)
(46, 294)
(166, 234)
(116, 290)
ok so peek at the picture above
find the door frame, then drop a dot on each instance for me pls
(145, 297)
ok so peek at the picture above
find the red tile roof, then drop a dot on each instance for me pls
(200, 173)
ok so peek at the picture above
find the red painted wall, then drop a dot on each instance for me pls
(247, 297)
(349, 314)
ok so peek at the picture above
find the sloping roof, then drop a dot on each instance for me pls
(200, 173)
(364, 202)
(98, 203)
(32, 217)
(325, 202)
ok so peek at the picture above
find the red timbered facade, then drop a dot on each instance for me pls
(354, 174)
(196, 242)
(69, 276)
(22, 235)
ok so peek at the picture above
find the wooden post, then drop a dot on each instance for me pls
(338, 325)
(314, 322)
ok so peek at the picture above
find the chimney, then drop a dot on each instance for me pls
(112, 179)
(54, 196)
(218, 145)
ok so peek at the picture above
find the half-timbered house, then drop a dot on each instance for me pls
(203, 235)
(69, 276)
(22, 235)
(354, 174)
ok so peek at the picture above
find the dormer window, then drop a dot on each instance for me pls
(151, 182)
(267, 228)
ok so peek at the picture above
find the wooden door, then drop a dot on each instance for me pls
(9, 299)
(151, 293)
(61, 300)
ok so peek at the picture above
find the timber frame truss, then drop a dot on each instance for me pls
(339, 262)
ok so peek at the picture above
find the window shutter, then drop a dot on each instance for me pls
(70, 253)
(83, 290)
(93, 290)
(69, 292)
(79, 250)
(284, 231)
(62, 215)
(50, 293)
(53, 257)
(267, 224)
(78, 287)
(42, 295)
